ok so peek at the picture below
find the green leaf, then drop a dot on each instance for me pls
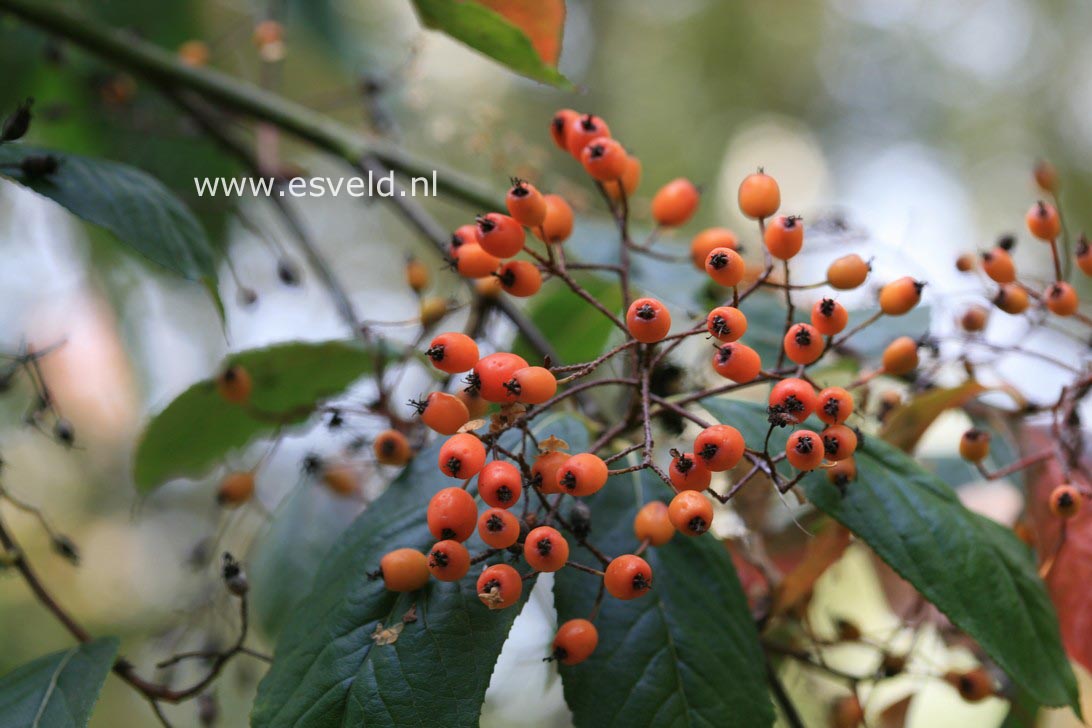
(194, 432)
(685, 654)
(489, 33)
(58, 690)
(326, 669)
(972, 569)
(579, 332)
(131, 204)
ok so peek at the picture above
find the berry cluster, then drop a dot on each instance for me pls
(499, 255)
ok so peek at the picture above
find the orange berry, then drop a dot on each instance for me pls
(604, 159)
(973, 686)
(500, 235)
(575, 641)
(794, 399)
(417, 275)
(759, 196)
(582, 130)
(803, 343)
(726, 323)
(499, 586)
(475, 405)
(1065, 501)
(545, 549)
(719, 447)
(998, 265)
(544, 471)
(843, 472)
(829, 317)
(974, 445)
(1061, 299)
(453, 352)
(901, 295)
(834, 405)
(1046, 176)
(520, 278)
(525, 203)
(709, 239)
(691, 513)
(449, 560)
(471, 261)
(1012, 299)
(628, 577)
(1043, 221)
(675, 203)
(392, 448)
(648, 320)
(463, 235)
(442, 412)
(462, 456)
(1084, 256)
(194, 53)
(404, 570)
(784, 237)
(342, 479)
(532, 385)
(725, 266)
(804, 450)
(846, 712)
(488, 287)
(901, 356)
(631, 179)
(848, 272)
(498, 528)
(965, 263)
(559, 125)
(653, 524)
(500, 484)
(235, 489)
(493, 372)
(688, 472)
(839, 442)
(558, 225)
(452, 514)
(582, 474)
(433, 310)
(234, 384)
(737, 361)
(974, 318)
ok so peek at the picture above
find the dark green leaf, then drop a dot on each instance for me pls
(489, 33)
(685, 654)
(327, 670)
(131, 204)
(974, 570)
(578, 331)
(196, 430)
(58, 690)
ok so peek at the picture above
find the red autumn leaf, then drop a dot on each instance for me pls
(542, 21)
(1068, 568)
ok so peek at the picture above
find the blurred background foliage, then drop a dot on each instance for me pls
(914, 123)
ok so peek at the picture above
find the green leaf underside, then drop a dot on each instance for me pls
(58, 690)
(489, 33)
(131, 204)
(685, 654)
(578, 332)
(971, 568)
(198, 428)
(326, 669)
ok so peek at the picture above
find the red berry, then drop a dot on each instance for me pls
(804, 450)
(559, 125)
(803, 343)
(648, 320)
(582, 130)
(453, 352)
(575, 641)
(449, 561)
(719, 447)
(500, 235)
(520, 278)
(628, 577)
(689, 473)
(493, 372)
(452, 514)
(545, 549)
(839, 442)
(835, 405)
(462, 456)
(499, 586)
(498, 528)
(794, 399)
(737, 361)
(500, 484)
